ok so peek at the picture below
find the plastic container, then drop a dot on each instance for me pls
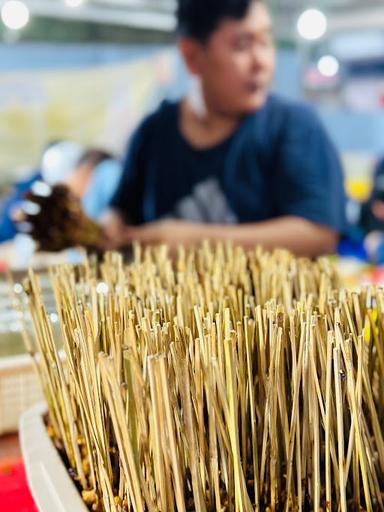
(48, 479)
(19, 390)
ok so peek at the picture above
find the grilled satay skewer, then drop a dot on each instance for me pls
(54, 218)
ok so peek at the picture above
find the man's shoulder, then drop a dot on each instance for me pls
(287, 110)
(163, 114)
(278, 116)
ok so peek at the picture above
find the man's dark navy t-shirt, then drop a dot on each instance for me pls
(279, 162)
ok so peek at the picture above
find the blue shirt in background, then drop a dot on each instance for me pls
(105, 178)
(8, 227)
(280, 161)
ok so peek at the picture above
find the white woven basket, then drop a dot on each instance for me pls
(19, 390)
(19, 385)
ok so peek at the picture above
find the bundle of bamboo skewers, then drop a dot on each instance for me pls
(58, 221)
(224, 381)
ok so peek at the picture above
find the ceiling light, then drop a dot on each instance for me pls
(15, 14)
(312, 24)
(74, 3)
(328, 66)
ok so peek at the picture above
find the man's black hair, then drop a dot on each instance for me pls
(94, 156)
(200, 18)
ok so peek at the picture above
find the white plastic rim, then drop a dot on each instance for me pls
(48, 479)
(312, 24)
(15, 14)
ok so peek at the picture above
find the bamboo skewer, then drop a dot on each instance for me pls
(225, 381)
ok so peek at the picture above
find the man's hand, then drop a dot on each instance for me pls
(170, 232)
(114, 231)
(378, 210)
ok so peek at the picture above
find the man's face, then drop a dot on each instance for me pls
(236, 64)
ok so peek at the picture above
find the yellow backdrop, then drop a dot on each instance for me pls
(94, 106)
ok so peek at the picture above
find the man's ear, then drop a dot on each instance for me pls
(192, 52)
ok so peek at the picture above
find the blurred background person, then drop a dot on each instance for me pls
(58, 161)
(94, 180)
(372, 218)
(91, 175)
(372, 215)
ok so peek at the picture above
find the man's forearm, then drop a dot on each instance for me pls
(300, 236)
(294, 233)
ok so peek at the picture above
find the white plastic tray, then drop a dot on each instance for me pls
(48, 479)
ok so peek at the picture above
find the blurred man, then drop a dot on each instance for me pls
(230, 161)
(91, 175)
(58, 161)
